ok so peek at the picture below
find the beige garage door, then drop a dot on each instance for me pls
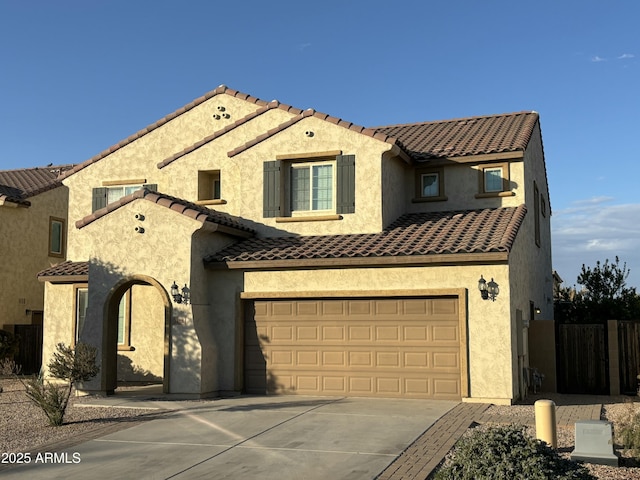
(401, 347)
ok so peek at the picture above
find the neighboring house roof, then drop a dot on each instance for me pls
(508, 132)
(66, 270)
(418, 234)
(18, 185)
(229, 223)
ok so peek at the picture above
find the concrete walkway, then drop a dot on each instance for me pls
(283, 437)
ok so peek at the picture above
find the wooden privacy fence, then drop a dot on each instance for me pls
(598, 359)
(582, 359)
(29, 354)
(629, 366)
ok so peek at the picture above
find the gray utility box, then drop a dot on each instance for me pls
(594, 443)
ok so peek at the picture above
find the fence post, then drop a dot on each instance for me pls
(614, 358)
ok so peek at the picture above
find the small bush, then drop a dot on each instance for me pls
(627, 431)
(9, 367)
(68, 364)
(506, 452)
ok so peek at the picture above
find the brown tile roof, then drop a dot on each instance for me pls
(18, 185)
(222, 89)
(461, 232)
(508, 132)
(66, 269)
(191, 210)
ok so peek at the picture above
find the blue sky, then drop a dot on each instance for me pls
(77, 76)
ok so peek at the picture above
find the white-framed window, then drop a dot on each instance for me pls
(493, 179)
(82, 301)
(124, 321)
(430, 184)
(312, 187)
(117, 192)
(56, 237)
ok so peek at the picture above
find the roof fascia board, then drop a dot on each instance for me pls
(483, 158)
(411, 260)
(436, 292)
(64, 278)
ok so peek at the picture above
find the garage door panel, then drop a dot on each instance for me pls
(368, 347)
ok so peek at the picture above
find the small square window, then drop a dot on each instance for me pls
(493, 179)
(209, 185)
(430, 185)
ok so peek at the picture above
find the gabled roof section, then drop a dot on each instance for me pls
(421, 235)
(227, 223)
(270, 106)
(222, 89)
(18, 185)
(461, 137)
(65, 271)
(382, 136)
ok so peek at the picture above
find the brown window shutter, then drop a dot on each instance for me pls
(271, 189)
(346, 180)
(99, 198)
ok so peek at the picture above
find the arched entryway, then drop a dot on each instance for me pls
(136, 344)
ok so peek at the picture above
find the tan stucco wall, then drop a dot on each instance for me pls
(58, 326)
(489, 333)
(138, 160)
(162, 253)
(146, 362)
(246, 199)
(24, 235)
(461, 185)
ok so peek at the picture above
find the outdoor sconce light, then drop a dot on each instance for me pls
(184, 297)
(488, 290)
(537, 310)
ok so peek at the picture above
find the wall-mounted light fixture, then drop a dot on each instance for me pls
(184, 297)
(537, 310)
(488, 290)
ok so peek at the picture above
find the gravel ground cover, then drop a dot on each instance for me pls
(615, 412)
(24, 428)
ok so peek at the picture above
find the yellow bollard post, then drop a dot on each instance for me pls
(546, 422)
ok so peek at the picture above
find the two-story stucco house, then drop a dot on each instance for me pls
(239, 245)
(33, 226)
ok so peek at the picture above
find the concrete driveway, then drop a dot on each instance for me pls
(265, 437)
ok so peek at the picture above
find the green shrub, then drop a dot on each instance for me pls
(506, 452)
(627, 431)
(68, 364)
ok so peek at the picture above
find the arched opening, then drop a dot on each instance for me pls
(136, 343)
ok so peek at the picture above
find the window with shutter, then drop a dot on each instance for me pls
(316, 185)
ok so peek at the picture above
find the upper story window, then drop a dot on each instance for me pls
(316, 186)
(312, 187)
(494, 181)
(56, 237)
(429, 185)
(112, 191)
(210, 188)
